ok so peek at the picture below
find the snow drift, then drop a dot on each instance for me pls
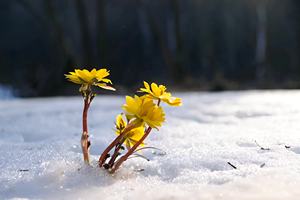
(256, 131)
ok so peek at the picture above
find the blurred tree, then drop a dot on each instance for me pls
(178, 72)
(261, 39)
(86, 40)
(101, 32)
(294, 29)
(68, 59)
(173, 59)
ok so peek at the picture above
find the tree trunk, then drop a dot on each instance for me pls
(52, 15)
(84, 30)
(261, 40)
(101, 32)
(178, 71)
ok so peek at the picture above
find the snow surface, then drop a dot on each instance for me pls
(5, 92)
(40, 156)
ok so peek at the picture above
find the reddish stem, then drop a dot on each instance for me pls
(130, 151)
(103, 156)
(84, 115)
(116, 153)
(85, 143)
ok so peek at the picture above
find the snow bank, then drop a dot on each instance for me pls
(5, 92)
(40, 156)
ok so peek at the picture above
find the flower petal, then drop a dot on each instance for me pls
(104, 86)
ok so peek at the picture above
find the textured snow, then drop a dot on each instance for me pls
(40, 156)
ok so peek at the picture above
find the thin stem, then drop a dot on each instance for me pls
(233, 166)
(142, 148)
(132, 149)
(116, 153)
(103, 156)
(85, 143)
(84, 115)
(139, 156)
(262, 148)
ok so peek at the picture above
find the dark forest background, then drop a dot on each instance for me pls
(187, 44)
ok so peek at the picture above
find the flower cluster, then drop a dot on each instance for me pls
(142, 114)
(144, 111)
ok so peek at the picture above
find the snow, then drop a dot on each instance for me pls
(40, 156)
(5, 92)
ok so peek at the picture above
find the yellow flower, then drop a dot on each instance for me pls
(159, 93)
(131, 137)
(87, 78)
(145, 110)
